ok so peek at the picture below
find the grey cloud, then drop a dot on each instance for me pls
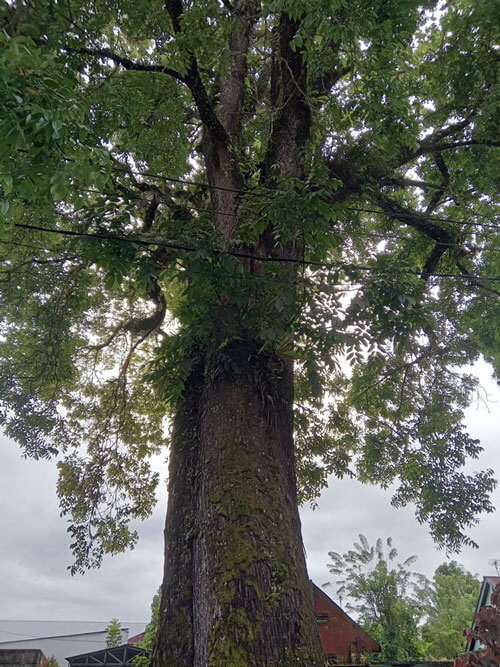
(34, 544)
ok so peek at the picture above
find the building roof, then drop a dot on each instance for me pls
(493, 580)
(361, 633)
(11, 657)
(117, 655)
(18, 631)
(136, 638)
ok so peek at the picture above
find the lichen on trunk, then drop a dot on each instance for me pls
(235, 591)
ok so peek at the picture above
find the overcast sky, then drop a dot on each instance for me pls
(34, 544)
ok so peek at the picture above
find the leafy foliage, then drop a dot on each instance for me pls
(150, 633)
(152, 626)
(411, 617)
(448, 604)
(373, 266)
(380, 591)
(51, 662)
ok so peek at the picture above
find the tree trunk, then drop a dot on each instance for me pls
(235, 588)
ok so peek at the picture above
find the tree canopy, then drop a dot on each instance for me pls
(107, 223)
(203, 197)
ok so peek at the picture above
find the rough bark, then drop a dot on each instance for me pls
(235, 591)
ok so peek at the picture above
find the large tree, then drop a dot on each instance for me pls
(231, 212)
(449, 603)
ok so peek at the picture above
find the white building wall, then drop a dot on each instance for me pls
(65, 646)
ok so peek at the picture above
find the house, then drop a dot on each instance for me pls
(61, 638)
(343, 640)
(484, 599)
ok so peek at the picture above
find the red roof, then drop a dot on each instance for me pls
(341, 637)
(493, 580)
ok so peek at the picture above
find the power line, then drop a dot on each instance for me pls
(395, 216)
(403, 214)
(396, 237)
(422, 216)
(171, 179)
(253, 193)
(339, 266)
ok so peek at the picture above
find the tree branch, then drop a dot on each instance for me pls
(292, 126)
(126, 63)
(324, 83)
(433, 260)
(457, 144)
(414, 219)
(405, 182)
(193, 80)
(436, 197)
(232, 86)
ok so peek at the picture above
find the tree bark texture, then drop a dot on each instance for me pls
(235, 588)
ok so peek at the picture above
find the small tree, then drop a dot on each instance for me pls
(380, 591)
(114, 636)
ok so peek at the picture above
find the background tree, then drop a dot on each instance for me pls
(208, 208)
(114, 634)
(52, 662)
(150, 633)
(448, 603)
(380, 592)
(152, 627)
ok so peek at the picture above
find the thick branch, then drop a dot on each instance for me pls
(193, 80)
(433, 260)
(414, 219)
(126, 63)
(436, 197)
(288, 85)
(324, 83)
(405, 182)
(447, 146)
(436, 141)
(443, 239)
(151, 213)
(232, 86)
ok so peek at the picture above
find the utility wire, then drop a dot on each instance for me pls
(204, 184)
(396, 237)
(422, 216)
(253, 193)
(245, 255)
(170, 179)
